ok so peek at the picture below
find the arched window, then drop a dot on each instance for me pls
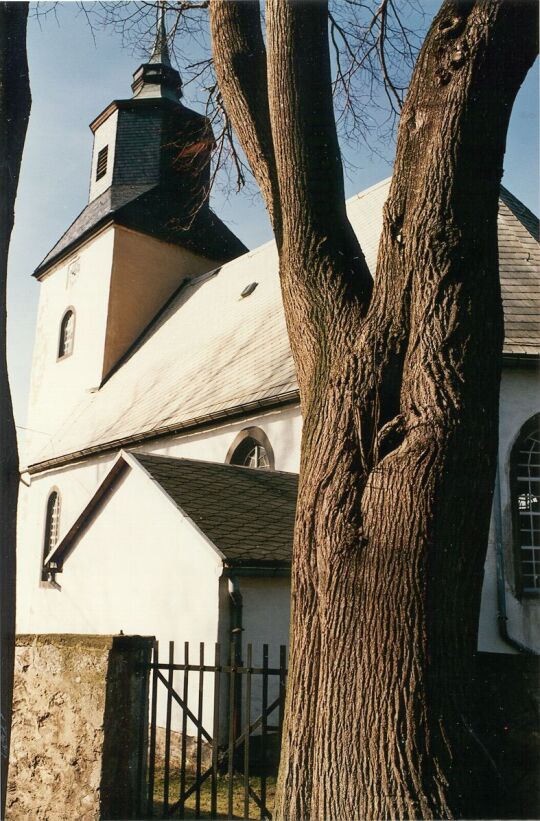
(67, 331)
(252, 449)
(525, 490)
(52, 526)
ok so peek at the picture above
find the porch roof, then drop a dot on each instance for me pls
(247, 514)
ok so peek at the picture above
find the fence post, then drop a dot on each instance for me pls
(88, 695)
(125, 741)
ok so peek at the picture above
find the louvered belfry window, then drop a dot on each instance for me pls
(526, 502)
(101, 168)
(52, 527)
(67, 331)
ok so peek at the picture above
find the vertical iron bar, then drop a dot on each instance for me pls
(199, 734)
(264, 812)
(232, 721)
(185, 694)
(282, 686)
(247, 727)
(167, 764)
(153, 722)
(143, 739)
(215, 732)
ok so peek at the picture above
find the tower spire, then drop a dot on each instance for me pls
(160, 52)
(157, 77)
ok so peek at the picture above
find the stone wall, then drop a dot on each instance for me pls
(76, 736)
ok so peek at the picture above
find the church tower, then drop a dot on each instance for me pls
(147, 228)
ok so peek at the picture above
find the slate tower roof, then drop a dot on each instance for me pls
(160, 167)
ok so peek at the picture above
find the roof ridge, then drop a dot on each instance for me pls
(521, 212)
(162, 457)
(369, 190)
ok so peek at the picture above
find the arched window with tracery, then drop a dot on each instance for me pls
(525, 490)
(52, 527)
(252, 449)
(67, 334)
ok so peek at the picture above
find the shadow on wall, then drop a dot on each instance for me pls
(507, 719)
(125, 736)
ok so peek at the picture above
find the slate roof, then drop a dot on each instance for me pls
(519, 267)
(248, 514)
(147, 208)
(211, 353)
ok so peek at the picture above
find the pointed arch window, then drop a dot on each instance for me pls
(525, 490)
(252, 449)
(52, 527)
(67, 334)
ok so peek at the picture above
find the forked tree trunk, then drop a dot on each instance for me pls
(14, 113)
(399, 396)
(398, 461)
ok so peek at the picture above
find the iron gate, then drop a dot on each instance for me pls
(226, 773)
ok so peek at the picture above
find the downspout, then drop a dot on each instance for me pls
(502, 617)
(237, 604)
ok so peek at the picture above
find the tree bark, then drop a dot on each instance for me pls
(14, 113)
(399, 394)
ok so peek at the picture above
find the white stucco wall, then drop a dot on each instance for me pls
(57, 385)
(78, 482)
(140, 567)
(520, 400)
(283, 427)
(104, 135)
(266, 616)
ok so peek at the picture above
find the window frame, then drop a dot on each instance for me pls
(61, 356)
(46, 536)
(531, 426)
(259, 437)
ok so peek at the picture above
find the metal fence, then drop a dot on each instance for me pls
(230, 771)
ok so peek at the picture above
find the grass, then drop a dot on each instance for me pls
(222, 796)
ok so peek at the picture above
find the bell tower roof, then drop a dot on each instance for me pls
(150, 168)
(157, 78)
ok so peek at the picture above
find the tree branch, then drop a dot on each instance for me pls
(240, 65)
(326, 281)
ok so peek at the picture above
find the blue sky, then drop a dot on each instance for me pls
(72, 79)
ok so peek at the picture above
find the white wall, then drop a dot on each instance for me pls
(77, 483)
(57, 385)
(141, 568)
(104, 135)
(266, 616)
(283, 428)
(520, 399)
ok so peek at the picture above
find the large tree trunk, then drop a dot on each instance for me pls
(14, 113)
(399, 394)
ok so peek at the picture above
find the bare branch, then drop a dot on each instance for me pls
(240, 63)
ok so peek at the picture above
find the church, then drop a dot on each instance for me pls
(159, 475)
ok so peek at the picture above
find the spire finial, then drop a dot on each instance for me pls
(157, 77)
(160, 52)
